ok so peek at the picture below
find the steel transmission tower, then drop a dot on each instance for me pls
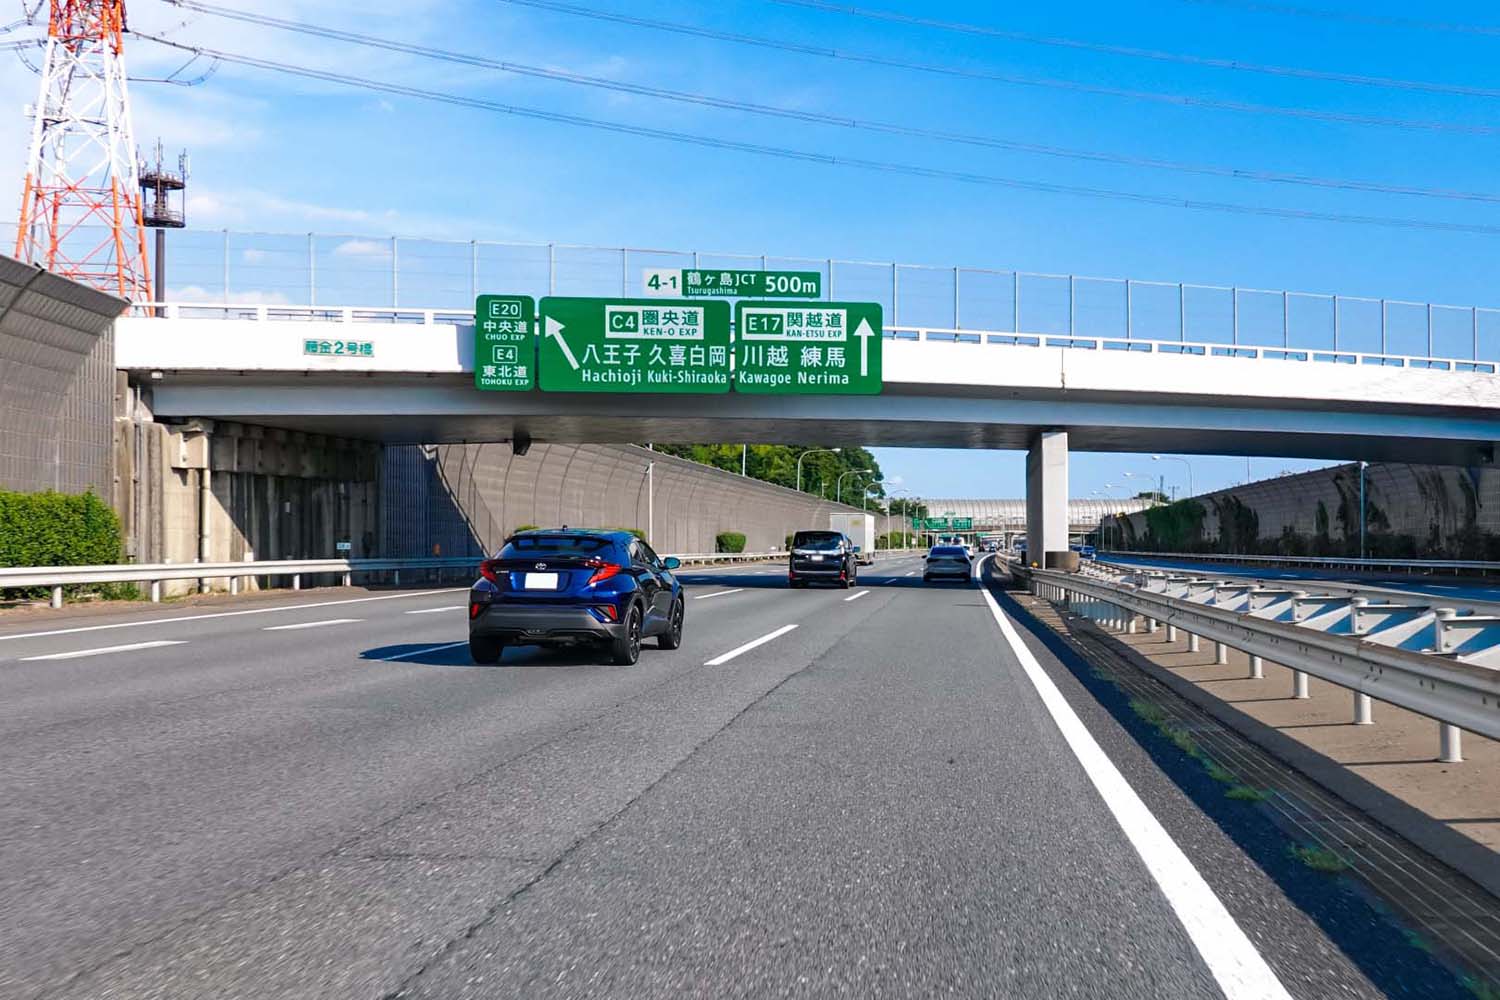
(81, 200)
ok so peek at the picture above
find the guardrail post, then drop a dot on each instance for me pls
(296, 581)
(234, 585)
(1299, 684)
(1257, 668)
(155, 591)
(57, 597)
(1129, 622)
(1221, 653)
(1152, 625)
(396, 578)
(1450, 740)
(348, 579)
(1193, 642)
(1363, 712)
(1171, 633)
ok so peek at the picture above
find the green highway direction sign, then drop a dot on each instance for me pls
(823, 348)
(633, 345)
(963, 524)
(937, 524)
(708, 283)
(504, 342)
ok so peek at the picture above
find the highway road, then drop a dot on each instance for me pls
(1440, 586)
(888, 791)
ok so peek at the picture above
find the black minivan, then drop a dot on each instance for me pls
(822, 556)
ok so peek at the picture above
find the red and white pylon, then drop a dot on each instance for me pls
(81, 199)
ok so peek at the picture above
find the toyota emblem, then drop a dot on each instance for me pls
(541, 565)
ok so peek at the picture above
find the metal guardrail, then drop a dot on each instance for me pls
(1316, 562)
(1128, 344)
(57, 577)
(1427, 659)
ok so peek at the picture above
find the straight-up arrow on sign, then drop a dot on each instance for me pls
(554, 330)
(864, 333)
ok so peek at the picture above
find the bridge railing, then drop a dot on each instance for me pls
(1477, 566)
(263, 312)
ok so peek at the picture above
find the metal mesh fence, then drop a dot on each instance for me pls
(387, 272)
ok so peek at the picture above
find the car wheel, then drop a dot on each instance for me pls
(627, 649)
(485, 649)
(672, 637)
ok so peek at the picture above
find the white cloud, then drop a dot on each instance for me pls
(197, 293)
(362, 248)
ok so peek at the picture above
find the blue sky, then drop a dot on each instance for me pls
(280, 154)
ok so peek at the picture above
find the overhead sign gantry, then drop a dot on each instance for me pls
(650, 345)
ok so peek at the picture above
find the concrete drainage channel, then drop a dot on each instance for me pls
(1440, 910)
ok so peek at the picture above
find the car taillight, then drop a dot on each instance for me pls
(474, 608)
(603, 571)
(487, 570)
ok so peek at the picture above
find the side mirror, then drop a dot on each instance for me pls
(671, 562)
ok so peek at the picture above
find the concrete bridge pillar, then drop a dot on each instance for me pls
(1047, 497)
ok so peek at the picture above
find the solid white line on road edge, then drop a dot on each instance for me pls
(429, 611)
(107, 649)
(855, 597)
(736, 651)
(1240, 970)
(418, 652)
(718, 593)
(231, 614)
(912, 573)
(327, 621)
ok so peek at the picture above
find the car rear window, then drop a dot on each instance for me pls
(527, 546)
(822, 541)
(947, 550)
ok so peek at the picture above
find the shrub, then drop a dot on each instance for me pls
(56, 529)
(729, 541)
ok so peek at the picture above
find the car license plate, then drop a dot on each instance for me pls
(817, 558)
(540, 581)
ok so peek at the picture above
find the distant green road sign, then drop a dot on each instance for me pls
(937, 524)
(817, 348)
(710, 283)
(504, 342)
(963, 524)
(633, 345)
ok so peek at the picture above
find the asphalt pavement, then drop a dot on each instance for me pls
(867, 792)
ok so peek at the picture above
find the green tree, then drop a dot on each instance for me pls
(777, 463)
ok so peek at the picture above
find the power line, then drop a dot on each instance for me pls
(1178, 100)
(1156, 55)
(907, 169)
(1383, 20)
(889, 128)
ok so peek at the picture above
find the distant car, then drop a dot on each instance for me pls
(1087, 551)
(822, 557)
(947, 561)
(573, 586)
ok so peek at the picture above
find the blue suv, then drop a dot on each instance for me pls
(567, 586)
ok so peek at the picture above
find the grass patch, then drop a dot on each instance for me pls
(1416, 940)
(1219, 773)
(1183, 740)
(1152, 714)
(1244, 793)
(1319, 859)
(1481, 988)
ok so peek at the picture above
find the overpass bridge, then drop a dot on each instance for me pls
(943, 388)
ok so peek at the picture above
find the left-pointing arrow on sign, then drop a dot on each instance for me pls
(554, 330)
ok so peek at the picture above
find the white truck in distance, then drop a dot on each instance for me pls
(861, 530)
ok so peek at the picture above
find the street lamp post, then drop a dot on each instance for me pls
(1171, 458)
(811, 451)
(838, 490)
